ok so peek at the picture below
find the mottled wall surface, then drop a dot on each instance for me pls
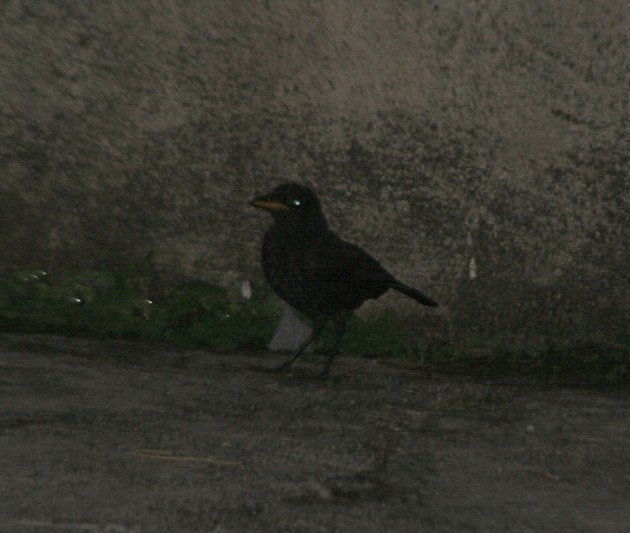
(479, 149)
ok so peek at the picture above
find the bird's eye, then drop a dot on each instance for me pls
(296, 202)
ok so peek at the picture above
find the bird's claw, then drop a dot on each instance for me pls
(278, 369)
(323, 375)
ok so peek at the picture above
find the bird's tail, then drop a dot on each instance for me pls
(413, 293)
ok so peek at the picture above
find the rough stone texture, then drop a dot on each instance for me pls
(436, 132)
(122, 437)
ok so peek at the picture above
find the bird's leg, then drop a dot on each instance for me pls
(340, 328)
(317, 329)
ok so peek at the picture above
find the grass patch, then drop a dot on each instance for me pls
(380, 336)
(587, 364)
(133, 303)
(120, 304)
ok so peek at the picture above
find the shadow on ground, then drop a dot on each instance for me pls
(120, 436)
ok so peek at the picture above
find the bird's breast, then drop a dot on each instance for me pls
(283, 263)
(314, 273)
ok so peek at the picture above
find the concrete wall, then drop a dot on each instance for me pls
(479, 149)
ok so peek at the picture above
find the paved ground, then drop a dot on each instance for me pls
(113, 436)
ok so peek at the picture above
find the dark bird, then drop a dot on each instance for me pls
(315, 271)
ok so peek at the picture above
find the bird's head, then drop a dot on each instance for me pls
(291, 203)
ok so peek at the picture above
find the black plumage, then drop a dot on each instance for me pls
(315, 271)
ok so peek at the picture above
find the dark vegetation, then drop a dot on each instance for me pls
(134, 303)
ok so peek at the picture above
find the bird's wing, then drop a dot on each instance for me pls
(348, 272)
(343, 275)
(335, 256)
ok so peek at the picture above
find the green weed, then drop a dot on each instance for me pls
(133, 303)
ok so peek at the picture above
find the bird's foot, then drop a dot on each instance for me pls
(279, 369)
(271, 370)
(323, 375)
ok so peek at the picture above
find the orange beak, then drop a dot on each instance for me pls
(269, 205)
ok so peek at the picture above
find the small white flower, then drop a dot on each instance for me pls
(472, 268)
(246, 290)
